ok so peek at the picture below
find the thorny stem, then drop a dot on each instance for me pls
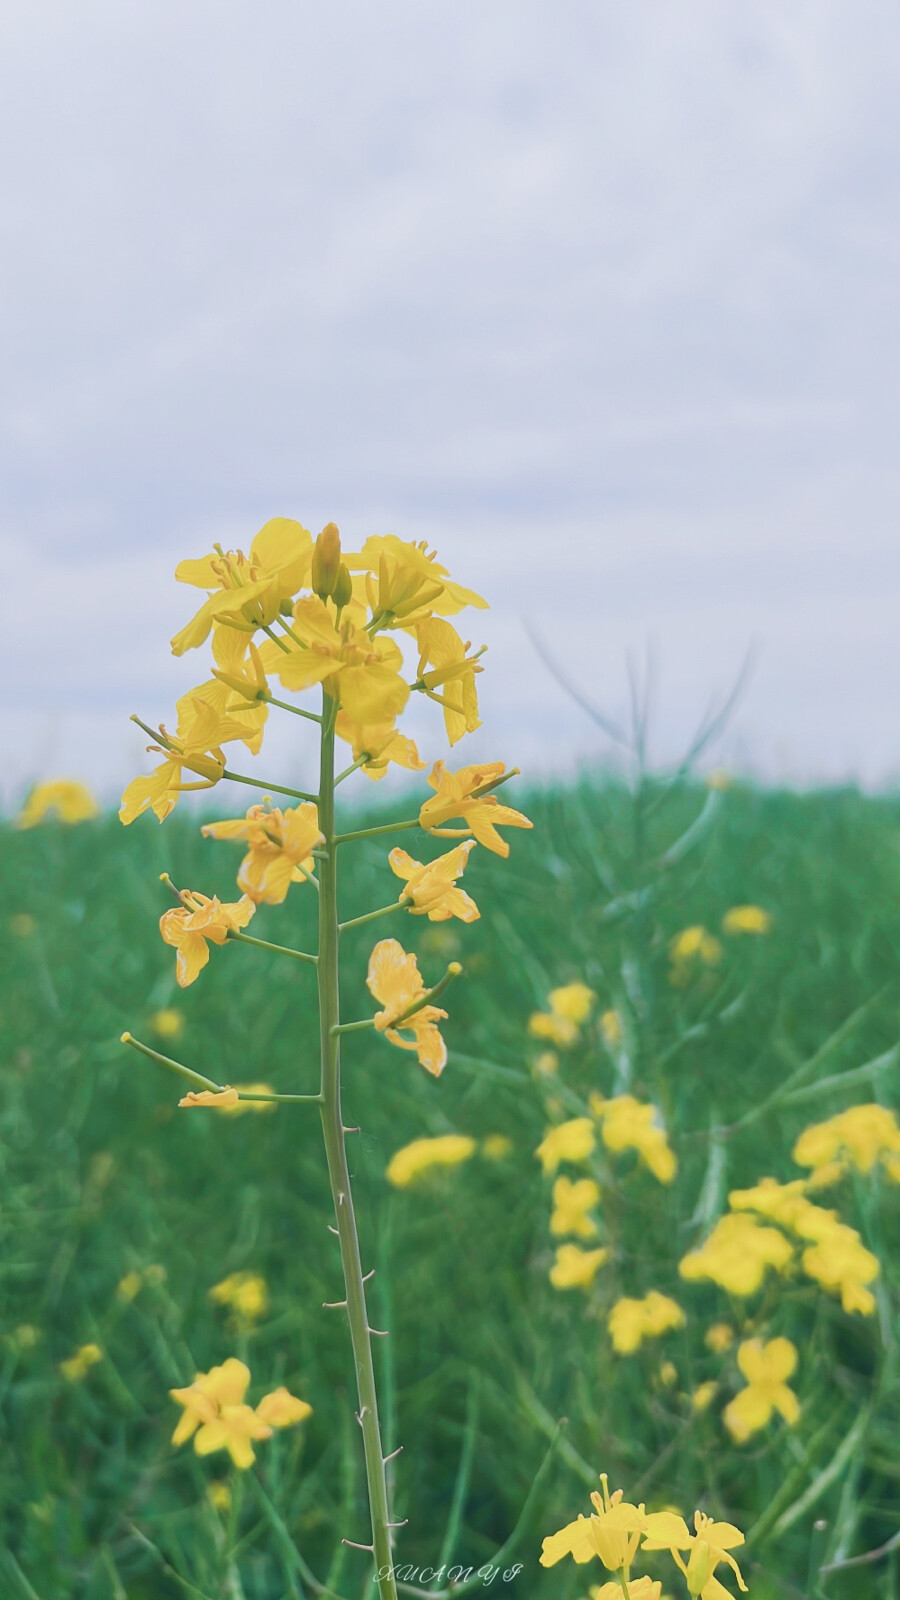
(338, 1171)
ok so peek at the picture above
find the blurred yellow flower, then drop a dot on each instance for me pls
(702, 1397)
(196, 921)
(281, 1409)
(719, 778)
(244, 1293)
(457, 797)
(64, 798)
(431, 888)
(220, 1099)
(571, 1204)
(76, 1367)
(27, 1335)
(708, 1546)
(746, 919)
(219, 1495)
(630, 1322)
(668, 1374)
(691, 950)
(280, 845)
(573, 1000)
(394, 979)
(568, 1141)
(240, 1108)
(561, 1031)
(859, 1137)
(168, 1023)
(841, 1263)
(130, 1286)
(575, 1268)
(154, 1275)
(409, 1163)
(547, 1063)
(718, 1337)
(445, 665)
(234, 1429)
(611, 1029)
(497, 1146)
(200, 1401)
(626, 1124)
(736, 1255)
(766, 1367)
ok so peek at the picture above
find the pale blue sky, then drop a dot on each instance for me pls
(602, 299)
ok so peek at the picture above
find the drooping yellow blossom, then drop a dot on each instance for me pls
(199, 921)
(248, 591)
(431, 887)
(630, 1322)
(626, 1124)
(613, 1532)
(709, 1545)
(746, 919)
(422, 1155)
(246, 1294)
(736, 1255)
(446, 673)
(703, 1396)
(129, 1287)
(78, 1365)
(281, 1409)
(718, 1338)
(611, 1029)
(380, 744)
(575, 1268)
(394, 979)
(860, 1137)
(364, 674)
(168, 1023)
(64, 798)
(223, 1099)
(196, 744)
(572, 1203)
(241, 1107)
(568, 1141)
(690, 950)
(457, 797)
(410, 582)
(766, 1367)
(280, 846)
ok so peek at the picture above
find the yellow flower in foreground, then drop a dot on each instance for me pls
(766, 1367)
(635, 1588)
(168, 1023)
(859, 1137)
(224, 1099)
(431, 887)
(394, 979)
(364, 674)
(736, 1255)
(410, 582)
(235, 1429)
(202, 730)
(64, 798)
(280, 846)
(482, 814)
(629, 1125)
(575, 1268)
(568, 1141)
(189, 926)
(746, 919)
(422, 1155)
(571, 1204)
(245, 1293)
(380, 744)
(248, 591)
(630, 1322)
(445, 665)
(708, 1547)
(76, 1368)
(612, 1532)
(201, 1400)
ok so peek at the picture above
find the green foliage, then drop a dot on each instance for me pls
(102, 1176)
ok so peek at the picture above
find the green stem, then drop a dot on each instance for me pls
(264, 944)
(372, 833)
(353, 1027)
(383, 911)
(199, 1082)
(354, 765)
(338, 1170)
(284, 705)
(276, 788)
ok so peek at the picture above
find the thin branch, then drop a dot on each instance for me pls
(265, 944)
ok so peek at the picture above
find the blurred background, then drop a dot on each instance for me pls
(599, 299)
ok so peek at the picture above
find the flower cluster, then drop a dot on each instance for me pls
(568, 1010)
(630, 1322)
(861, 1137)
(215, 1415)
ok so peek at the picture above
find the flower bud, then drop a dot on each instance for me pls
(699, 1568)
(342, 593)
(326, 561)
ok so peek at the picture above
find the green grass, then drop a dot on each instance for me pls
(101, 1175)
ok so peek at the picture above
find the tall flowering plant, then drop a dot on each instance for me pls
(316, 619)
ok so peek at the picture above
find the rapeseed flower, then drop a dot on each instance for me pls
(394, 979)
(703, 1396)
(245, 1294)
(196, 923)
(280, 846)
(718, 1337)
(168, 1023)
(635, 1588)
(766, 1367)
(737, 1254)
(570, 1006)
(215, 1416)
(281, 1409)
(224, 1099)
(197, 743)
(575, 1268)
(567, 1141)
(630, 1322)
(445, 664)
(380, 744)
(404, 582)
(859, 1137)
(612, 1532)
(691, 950)
(247, 591)
(746, 919)
(65, 798)
(457, 795)
(841, 1263)
(497, 1146)
(626, 1124)
(78, 1365)
(129, 1287)
(571, 1204)
(364, 674)
(241, 1107)
(431, 887)
(408, 1164)
(708, 1546)
(611, 1029)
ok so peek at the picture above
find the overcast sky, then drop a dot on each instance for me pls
(600, 298)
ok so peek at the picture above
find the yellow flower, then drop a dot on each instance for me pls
(234, 1429)
(393, 978)
(280, 848)
(248, 591)
(281, 1409)
(611, 1029)
(168, 1023)
(747, 919)
(571, 1204)
(766, 1367)
(223, 1099)
(718, 1338)
(77, 1366)
(201, 1400)
(432, 887)
(690, 949)
(189, 926)
(363, 674)
(240, 1108)
(219, 1496)
(708, 1546)
(409, 1163)
(561, 1031)
(703, 1396)
(410, 582)
(444, 663)
(736, 1255)
(626, 1124)
(201, 731)
(381, 744)
(574, 1001)
(575, 1268)
(129, 1287)
(547, 1063)
(456, 796)
(67, 799)
(612, 1532)
(859, 1137)
(245, 1293)
(841, 1263)
(568, 1141)
(497, 1146)
(630, 1322)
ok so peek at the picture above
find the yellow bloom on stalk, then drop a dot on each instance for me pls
(408, 1164)
(381, 744)
(575, 1268)
(571, 1204)
(77, 1366)
(431, 887)
(196, 744)
(613, 1532)
(64, 798)
(244, 1293)
(410, 582)
(568, 1141)
(497, 1146)
(626, 1124)
(691, 949)
(444, 663)
(456, 796)
(281, 1409)
(394, 979)
(737, 1254)
(280, 845)
(766, 1367)
(708, 1546)
(215, 1416)
(859, 1137)
(248, 591)
(200, 920)
(630, 1322)
(364, 674)
(746, 919)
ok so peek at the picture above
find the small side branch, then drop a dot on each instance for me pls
(199, 1082)
(276, 788)
(264, 944)
(370, 916)
(373, 833)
